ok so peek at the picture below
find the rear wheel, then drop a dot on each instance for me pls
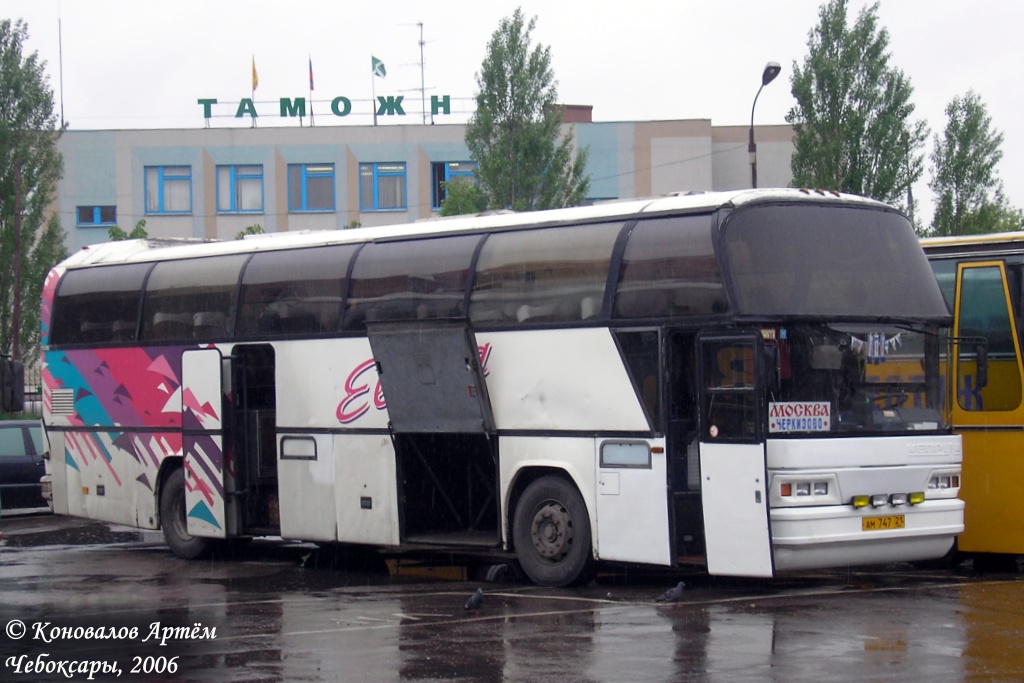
(551, 533)
(172, 520)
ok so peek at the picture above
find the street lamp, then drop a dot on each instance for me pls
(771, 70)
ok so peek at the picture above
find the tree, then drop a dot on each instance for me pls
(462, 197)
(514, 136)
(30, 166)
(851, 122)
(254, 229)
(137, 233)
(968, 193)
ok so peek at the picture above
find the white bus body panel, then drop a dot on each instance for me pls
(632, 509)
(341, 486)
(366, 469)
(564, 380)
(735, 503)
(829, 532)
(328, 383)
(307, 484)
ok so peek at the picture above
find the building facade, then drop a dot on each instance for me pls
(213, 183)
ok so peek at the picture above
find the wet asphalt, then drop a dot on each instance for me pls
(94, 597)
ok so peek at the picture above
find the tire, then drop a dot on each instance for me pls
(551, 533)
(172, 520)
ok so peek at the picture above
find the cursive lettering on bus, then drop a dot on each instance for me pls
(353, 406)
(348, 410)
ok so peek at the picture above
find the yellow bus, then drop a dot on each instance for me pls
(982, 278)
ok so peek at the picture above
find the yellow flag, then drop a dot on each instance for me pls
(255, 77)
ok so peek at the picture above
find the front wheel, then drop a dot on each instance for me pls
(172, 520)
(551, 533)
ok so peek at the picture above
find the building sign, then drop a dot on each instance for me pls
(387, 105)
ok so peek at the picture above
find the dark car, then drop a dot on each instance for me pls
(21, 464)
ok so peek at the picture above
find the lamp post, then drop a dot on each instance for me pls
(771, 70)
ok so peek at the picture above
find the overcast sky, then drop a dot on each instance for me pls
(143, 64)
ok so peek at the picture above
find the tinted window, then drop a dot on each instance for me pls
(421, 279)
(945, 274)
(12, 442)
(190, 299)
(828, 260)
(549, 275)
(669, 270)
(98, 305)
(984, 314)
(298, 291)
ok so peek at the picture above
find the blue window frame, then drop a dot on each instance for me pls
(310, 187)
(448, 172)
(168, 189)
(96, 216)
(382, 187)
(240, 189)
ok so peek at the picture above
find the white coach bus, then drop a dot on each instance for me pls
(694, 379)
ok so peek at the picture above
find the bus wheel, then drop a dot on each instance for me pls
(172, 520)
(551, 533)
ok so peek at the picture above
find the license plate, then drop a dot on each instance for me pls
(887, 522)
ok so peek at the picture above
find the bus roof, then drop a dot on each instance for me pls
(988, 243)
(157, 249)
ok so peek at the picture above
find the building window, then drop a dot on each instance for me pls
(448, 172)
(97, 216)
(382, 187)
(310, 187)
(239, 189)
(168, 189)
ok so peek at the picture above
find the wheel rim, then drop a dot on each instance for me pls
(552, 531)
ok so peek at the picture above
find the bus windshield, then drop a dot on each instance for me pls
(851, 378)
(840, 262)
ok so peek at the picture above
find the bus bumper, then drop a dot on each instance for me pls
(819, 537)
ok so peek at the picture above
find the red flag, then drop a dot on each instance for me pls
(311, 73)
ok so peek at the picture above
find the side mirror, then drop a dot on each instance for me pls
(12, 386)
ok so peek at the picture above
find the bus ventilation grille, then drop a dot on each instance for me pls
(63, 402)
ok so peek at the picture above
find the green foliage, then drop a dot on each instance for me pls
(852, 124)
(462, 197)
(30, 167)
(514, 136)
(968, 193)
(138, 232)
(352, 224)
(256, 229)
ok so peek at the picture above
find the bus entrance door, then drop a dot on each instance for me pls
(733, 470)
(202, 421)
(443, 428)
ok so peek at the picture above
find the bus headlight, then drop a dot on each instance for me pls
(943, 484)
(813, 489)
(944, 481)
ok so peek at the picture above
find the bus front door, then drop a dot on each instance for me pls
(734, 495)
(202, 421)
